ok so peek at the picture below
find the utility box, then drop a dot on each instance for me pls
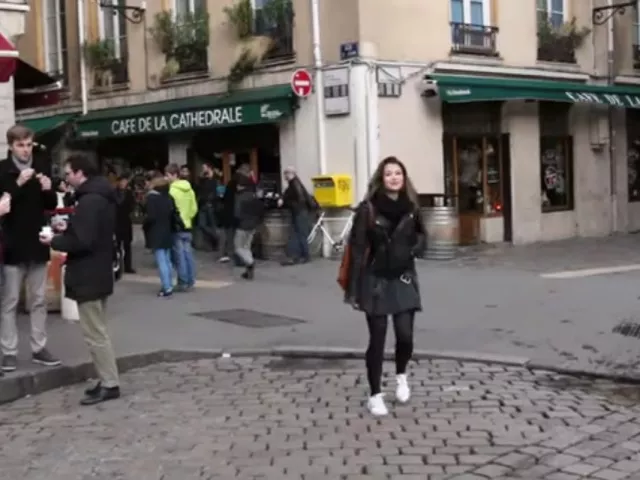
(333, 191)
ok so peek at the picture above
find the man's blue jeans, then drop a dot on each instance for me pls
(163, 262)
(183, 254)
(298, 247)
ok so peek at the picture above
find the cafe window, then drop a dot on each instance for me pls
(556, 158)
(473, 157)
(633, 155)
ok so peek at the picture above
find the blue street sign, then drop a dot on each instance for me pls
(349, 50)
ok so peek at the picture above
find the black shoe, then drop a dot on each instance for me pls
(165, 293)
(43, 357)
(103, 395)
(9, 363)
(289, 261)
(130, 271)
(248, 273)
(93, 391)
(305, 260)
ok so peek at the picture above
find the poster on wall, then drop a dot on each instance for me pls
(336, 92)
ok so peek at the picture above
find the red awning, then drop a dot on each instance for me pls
(8, 58)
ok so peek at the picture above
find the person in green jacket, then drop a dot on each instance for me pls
(187, 206)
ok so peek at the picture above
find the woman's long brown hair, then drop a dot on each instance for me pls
(376, 184)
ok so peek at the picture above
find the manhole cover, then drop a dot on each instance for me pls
(249, 318)
(306, 364)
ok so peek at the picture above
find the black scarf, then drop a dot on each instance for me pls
(392, 210)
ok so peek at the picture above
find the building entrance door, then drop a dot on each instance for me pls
(475, 174)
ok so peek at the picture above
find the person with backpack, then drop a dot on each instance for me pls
(248, 211)
(378, 272)
(302, 206)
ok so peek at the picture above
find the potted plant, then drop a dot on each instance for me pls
(560, 43)
(100, 56)
(184, 41)
(240, 16)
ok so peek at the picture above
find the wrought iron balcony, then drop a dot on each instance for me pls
(277, 25)
(474, 39)
(192, 59)
(558, 49)
(113, 74)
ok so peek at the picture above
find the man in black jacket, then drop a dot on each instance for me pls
(88, 241)
(124, 224)
(25, 177)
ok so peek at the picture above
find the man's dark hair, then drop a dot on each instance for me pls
(80, 162)
(18, 133)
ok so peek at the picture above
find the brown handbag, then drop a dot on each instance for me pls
(344, 270)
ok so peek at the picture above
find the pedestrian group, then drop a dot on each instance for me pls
(377, 272)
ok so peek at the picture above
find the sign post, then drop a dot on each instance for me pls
(301, 83)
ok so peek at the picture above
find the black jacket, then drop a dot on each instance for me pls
(383, 279)
(88, 241)
(124, 224)
(207, 191)
(21, 226)
(158, 222)
(227, 216)
(248, 208)
(296, 198)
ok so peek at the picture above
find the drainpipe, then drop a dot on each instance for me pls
(319, 88)
(612, 149)
(83, 63)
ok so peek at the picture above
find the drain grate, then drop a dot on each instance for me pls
(249, 318)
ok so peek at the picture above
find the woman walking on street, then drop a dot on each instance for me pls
(386, 237)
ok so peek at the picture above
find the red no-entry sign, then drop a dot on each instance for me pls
(301, 83)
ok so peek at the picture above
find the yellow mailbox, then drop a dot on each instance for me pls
(333, 190)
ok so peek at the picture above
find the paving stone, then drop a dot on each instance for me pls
(254, 419)
(608, 474)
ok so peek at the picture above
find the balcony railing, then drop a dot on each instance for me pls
(60, 76)
(473, 39)
(279, 28)
(113, 74)
(192, 58)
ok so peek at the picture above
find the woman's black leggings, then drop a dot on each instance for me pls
(403, 329)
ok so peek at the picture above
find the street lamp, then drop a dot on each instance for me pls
(132, 14)
(600, 15)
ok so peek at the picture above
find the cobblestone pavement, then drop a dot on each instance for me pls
(301, 419)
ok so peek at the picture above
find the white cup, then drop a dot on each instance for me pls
(46, 232)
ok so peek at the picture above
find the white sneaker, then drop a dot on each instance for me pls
(403, 392)
(224, 259)
(376, 405)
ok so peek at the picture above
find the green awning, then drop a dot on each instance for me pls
(463, 89)
(44, 125)
(242, 107)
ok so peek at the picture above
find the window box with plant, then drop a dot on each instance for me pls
(184, 41)
(559, 44)
(265, 35)
(107, 70)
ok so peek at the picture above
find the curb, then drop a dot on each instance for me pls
(583, 373)
(15, 387)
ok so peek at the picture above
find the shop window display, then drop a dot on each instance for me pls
(556, 158)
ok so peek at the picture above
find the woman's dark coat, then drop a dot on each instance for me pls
(124, 225)
(159, 218)
(383, 278)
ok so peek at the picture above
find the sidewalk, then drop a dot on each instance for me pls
(483, 303)
(274, 419)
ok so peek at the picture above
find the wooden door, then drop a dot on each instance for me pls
(231, 160)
